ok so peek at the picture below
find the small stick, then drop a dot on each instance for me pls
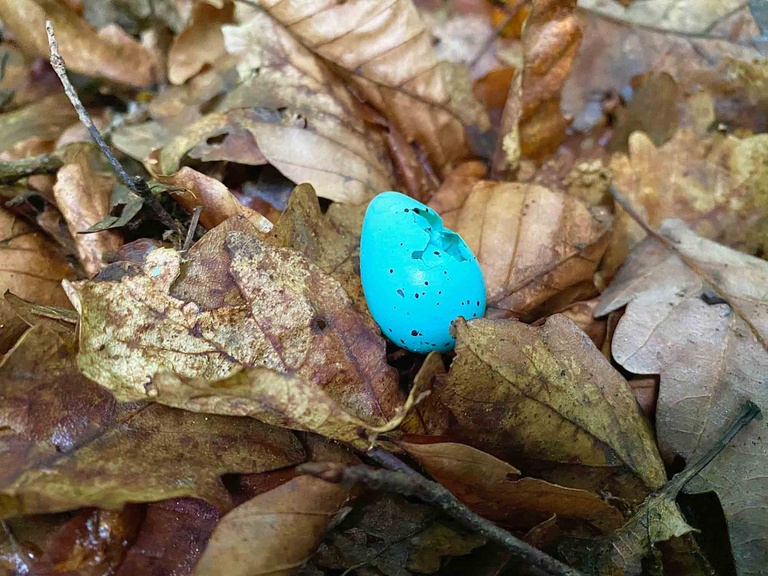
(389, 461)
(437, 495)
(135, 183)
(748, 413)
(192, 228)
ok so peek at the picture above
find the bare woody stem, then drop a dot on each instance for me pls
(135, 183)
(433, 493)
(12, 170)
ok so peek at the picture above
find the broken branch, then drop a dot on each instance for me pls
(12, 170)
(135, 183)
(437, 495)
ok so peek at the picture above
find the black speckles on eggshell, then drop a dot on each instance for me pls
(416, 295)
(400, 292)
(414, 332)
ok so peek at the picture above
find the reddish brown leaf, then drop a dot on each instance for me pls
(494, 489)
(82, 195)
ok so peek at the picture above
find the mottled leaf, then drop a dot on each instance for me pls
(68, 444)
(546, 393)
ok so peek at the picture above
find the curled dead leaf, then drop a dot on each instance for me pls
(83, 196)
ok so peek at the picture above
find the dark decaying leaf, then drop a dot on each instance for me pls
(388, 535)
(697, 314)
(69, 444)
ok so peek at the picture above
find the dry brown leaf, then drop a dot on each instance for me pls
(715, 184)
(494, 489)
(109, 53)
(289, 316)
(335, 249)
(30, 265)
(68, 444)
(681, 38)
(266, 395)
(43, 120)
(193, 189)
(82, 195)
(200, 43)
(545, 393)
(532, 124)
(531, 243)
(386, 53)
(288, 523)
(705, 332)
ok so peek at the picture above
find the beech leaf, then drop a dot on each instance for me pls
(285, 314)
(287, 522)
(386, 54)
(546, 393)
(531, 243)
(697, 314)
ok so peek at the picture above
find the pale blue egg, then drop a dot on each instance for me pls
(417, 276)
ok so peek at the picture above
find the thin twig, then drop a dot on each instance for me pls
(748, 413)
(135, 183)
(191, 230)
(389, 461)
(12, 170)
(437, 495)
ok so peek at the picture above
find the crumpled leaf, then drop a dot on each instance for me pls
(293, 318)
(131, 205)
(716, 185)
(682, 38)
(545, 393)
(30, 265)
(532, 124)
(108, 53)
(288, 523)
(200, 43)
(495, 490)
(388, 535)
(290, 110)
(531, 243)
(386, 54)
(697, 314)
(68, 444)
(82, 195)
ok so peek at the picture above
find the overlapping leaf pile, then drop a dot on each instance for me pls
(157, 396)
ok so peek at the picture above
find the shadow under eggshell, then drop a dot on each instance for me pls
(417, 275)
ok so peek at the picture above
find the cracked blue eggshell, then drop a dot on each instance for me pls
(417, 276)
